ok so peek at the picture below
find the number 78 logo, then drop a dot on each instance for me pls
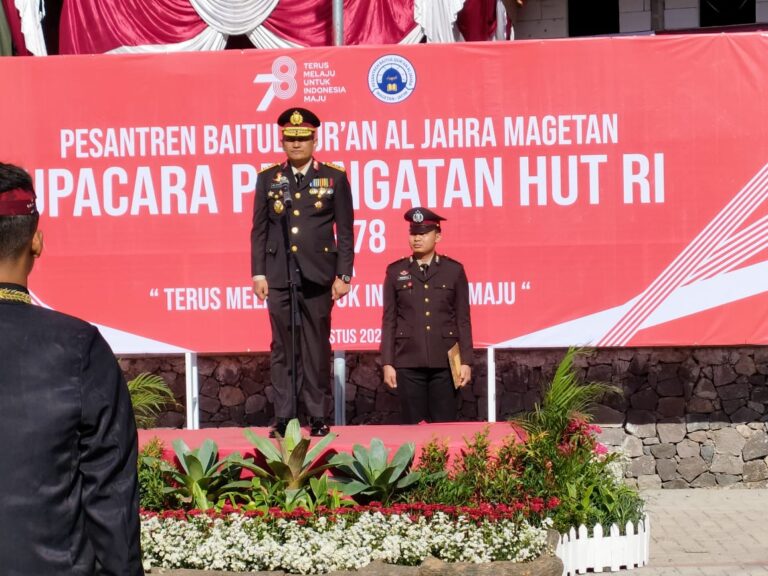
(281, 81)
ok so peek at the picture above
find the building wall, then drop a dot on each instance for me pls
(549, 18)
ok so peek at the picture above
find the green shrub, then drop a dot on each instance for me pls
(433, 485)
(559, 462)
(562, 458)
(151, 483)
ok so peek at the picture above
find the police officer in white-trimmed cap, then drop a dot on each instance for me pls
(426, 312)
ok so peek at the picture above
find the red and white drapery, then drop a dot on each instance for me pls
(99, 26)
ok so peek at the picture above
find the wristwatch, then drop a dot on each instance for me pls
(344, 278)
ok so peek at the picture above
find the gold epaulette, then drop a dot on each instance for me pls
(336, 166)
(268, 167)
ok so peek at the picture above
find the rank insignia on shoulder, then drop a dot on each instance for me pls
(336, 166)
(268, 167)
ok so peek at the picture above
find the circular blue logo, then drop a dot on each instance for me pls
(391, 78)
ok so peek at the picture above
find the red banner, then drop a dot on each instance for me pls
(602, 191)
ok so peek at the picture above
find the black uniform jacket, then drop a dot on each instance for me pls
(324, 199)
(69, 449)
(425, 315)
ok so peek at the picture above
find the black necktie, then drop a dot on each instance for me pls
(299, 179)
(424, 268)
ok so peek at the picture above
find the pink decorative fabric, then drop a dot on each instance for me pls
(14, 23)
(377, 21)
(306, 22)
(97, 26)
(477, 20)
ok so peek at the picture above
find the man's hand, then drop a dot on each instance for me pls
(390, 376)
(339, 290)
(261, 289)
(465, 375)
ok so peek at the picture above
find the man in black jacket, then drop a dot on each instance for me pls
(426, 312)
(298, 203)
(69, 445)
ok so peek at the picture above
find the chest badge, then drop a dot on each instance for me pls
(278, 207)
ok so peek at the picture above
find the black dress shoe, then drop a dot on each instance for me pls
(319, 428)
(279, 428)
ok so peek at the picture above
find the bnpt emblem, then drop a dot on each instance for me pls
(281, 81)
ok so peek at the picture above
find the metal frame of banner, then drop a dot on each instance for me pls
(339, 388)
(491, 361)
(193, 391)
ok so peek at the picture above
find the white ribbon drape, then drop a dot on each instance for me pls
(414, 36)
(262, 37)
(31, 13)
(208, 39)
(437, 19)
(234, 16)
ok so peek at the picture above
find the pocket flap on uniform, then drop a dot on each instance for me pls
(450, 332)
(403, 331)
(272, 248)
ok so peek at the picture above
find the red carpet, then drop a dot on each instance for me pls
(233, 440)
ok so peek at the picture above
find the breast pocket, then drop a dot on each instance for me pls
(450, 334)
(444, 294)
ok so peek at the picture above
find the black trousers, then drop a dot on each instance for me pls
(313, 381)
(426, 394)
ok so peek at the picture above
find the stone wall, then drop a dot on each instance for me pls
(235, 390)
(687, 417)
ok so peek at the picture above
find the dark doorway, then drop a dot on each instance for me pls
(593, 17)
(726, 12)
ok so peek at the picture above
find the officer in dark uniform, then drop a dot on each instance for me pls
(297, 205)
(70, 502)
(426, 312)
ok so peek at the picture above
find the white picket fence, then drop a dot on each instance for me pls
(600, 552)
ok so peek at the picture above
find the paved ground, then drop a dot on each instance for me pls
(707, 532)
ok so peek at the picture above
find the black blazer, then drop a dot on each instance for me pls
(323, 200)
(69, 448)
(425, 315)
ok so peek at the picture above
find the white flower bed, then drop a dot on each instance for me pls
(318, 545)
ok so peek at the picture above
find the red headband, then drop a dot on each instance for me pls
(17, 202)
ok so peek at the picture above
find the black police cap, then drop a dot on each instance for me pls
(298, 122)
(423, 220)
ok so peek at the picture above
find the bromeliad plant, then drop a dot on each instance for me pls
(290, 467)
(203, 479)
(368, 475)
